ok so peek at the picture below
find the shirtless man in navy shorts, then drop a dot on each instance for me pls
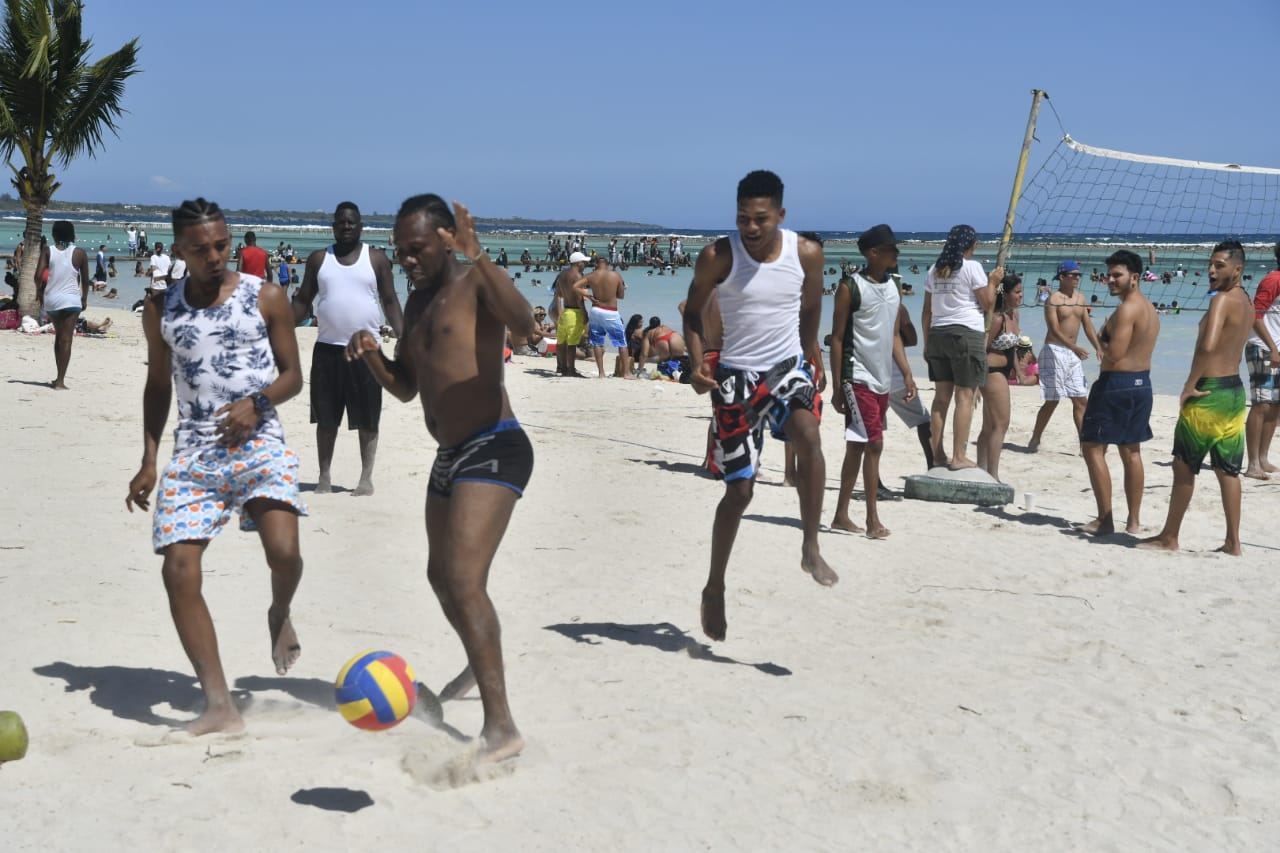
(451, 354)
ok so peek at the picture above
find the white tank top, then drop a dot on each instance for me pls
(63, 289)
(760, 307)
(348, 298)
(868, 338)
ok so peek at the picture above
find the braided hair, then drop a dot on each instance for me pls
(195, 212)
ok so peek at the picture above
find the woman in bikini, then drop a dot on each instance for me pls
(662, 342)
(1002, 370)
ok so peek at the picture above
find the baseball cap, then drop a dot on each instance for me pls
(578, 258)
(875, 237)
(1066, 266)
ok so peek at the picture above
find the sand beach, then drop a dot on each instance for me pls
(984, 679)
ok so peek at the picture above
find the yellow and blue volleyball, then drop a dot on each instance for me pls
(375, 690)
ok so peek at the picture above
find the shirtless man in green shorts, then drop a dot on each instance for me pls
(1211, 406)
(571, 325)
(451, 354)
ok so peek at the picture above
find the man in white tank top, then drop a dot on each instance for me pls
(64, 293)
(356, 291)
(866, 345)
(769, 283)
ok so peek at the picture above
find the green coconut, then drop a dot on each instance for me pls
(13, 737)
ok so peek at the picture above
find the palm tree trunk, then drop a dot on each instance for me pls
(28, 302)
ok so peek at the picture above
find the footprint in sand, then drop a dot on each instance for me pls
(446, 771)
(211, 742)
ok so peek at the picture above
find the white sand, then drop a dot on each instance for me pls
(985, 679)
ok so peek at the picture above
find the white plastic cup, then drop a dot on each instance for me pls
(1028, 501)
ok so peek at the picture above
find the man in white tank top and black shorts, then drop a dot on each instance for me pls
(769, 282)
(355, 290)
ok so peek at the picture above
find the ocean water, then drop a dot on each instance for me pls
(652, 292)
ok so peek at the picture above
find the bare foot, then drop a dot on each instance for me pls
(788, 482)
(627, 376)
(1158, 543)
(365, 487)
(285, 648)
(324, 486)
(816, 566)
(226, 719)
(713, 623)
(846, 523)
(960, 463)
(1257, 472)
(461, 685)
(1133, 528)
(1103, 525)
(1229, 548)
(58, 386)
(877, 531)
(1033, 446)
(1269, 468)
(499, 747)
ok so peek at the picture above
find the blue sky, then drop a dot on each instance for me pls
(905, 112)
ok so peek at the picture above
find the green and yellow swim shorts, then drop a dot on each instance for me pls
(1213, 426)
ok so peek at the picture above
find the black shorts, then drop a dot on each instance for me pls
(501, 455)
(338, 385)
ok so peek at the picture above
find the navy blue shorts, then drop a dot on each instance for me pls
(501, 455)
(1119, 409)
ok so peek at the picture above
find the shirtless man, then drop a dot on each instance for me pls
(571, 315)
(605, 288)
(349, 287)
(770, 285)
(1061, 372)
(1211, 416)
(228, 345)
(1119, 407)
(451, 355)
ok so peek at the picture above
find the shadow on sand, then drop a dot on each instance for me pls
(677, 467)
(333, 799)
(131, 693)
(662, 636)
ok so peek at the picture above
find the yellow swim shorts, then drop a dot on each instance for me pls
(573, 324)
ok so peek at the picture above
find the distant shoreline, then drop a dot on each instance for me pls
(287, 219)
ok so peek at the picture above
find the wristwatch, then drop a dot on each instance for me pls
(261, 404)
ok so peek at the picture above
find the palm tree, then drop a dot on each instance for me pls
(54, 106)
